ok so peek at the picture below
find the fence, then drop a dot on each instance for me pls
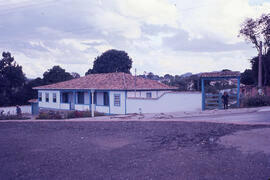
(214, 101)
(12, 110)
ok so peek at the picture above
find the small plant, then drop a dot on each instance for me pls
(12, 117)
(256, 101)
(66, 114)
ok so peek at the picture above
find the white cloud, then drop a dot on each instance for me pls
(71, 34)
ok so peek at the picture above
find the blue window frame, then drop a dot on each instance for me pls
(117, 100)
(39, 96)
(47, 97)
(54, 97)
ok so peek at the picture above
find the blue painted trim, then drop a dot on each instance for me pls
(32, 112)
(203, 95)
(218, 78)
(109, 94)
(125, 102)
(219, 101)
(89, 94)
(60, 96)
(238, 92)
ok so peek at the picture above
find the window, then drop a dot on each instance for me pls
(47, 97)
(40, 96)
(117, 100)
(64, 97)
(106, 99)
(54, 97)
(80, 97)
(149, 95)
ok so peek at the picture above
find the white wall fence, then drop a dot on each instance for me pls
(12, 109)
(169, 102)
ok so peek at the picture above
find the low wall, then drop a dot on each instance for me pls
(169, 102)
(12, 109)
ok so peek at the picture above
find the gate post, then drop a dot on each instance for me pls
(203, 95)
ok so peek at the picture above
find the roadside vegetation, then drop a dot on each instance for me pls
(66, 114)
(256, 101)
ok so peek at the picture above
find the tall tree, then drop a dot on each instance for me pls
(256, 30)
(56, 74)
(248, 77)
(266, 70)
(12, 80)
(111, 61)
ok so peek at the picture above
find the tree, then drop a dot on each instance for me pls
(56, 74)
(12, 81)
(256, 30)
(111, 61)
(247, 77)
(266, 70)
(75, 75)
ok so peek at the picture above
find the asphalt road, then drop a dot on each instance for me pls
(126, 150)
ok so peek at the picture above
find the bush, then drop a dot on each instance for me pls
(13, 117)
(49, 115)
(256, 101)
(66, 114)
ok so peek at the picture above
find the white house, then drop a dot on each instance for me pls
(116, 93)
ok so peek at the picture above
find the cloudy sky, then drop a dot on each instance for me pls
(161, 36)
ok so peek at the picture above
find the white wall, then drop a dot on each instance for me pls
(142, 94)
(117, 109)
(50, 104)
(82, 107)
(12, 110)
(169, 102)
(103, 109)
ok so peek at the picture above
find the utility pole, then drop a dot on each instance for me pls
(260, 67)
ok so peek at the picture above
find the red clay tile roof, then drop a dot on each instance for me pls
(109, 81)
(221, 74)
(33, 100)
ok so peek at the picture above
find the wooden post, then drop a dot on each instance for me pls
(203, 95)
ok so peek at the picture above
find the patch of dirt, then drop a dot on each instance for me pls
(252, 141)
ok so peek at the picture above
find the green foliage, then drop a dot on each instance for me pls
(13, 117)
(111, 61)
(248, 77)
(12, 81)
(55, 75)
(66, 114)
(265, 68)
(256, 101)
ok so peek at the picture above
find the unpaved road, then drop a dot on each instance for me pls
(127, 150)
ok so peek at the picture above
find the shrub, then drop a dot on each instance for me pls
(13, 117)
(256, 101)
(49, 115)
(80, 114)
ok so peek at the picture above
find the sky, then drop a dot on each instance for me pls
(161, 36)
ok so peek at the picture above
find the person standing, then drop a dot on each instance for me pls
(18, 110)
(225, 100)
